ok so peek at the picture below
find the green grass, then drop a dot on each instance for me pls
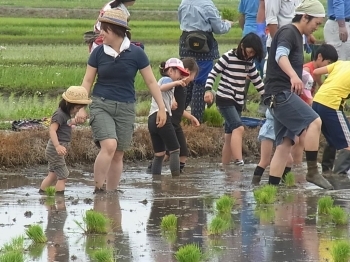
(212, 117)
(289, 179)
(189, 253)
(13, 250)
(218, 226)
(325, 205)
(169, 223)
(50, 191)
(339, 215)
(12, 256)
(340, 251)
(139, 5)
(265, 194)
(224, 204)
(104, 255)
(36, 234)
(24, 107)
(94, 222)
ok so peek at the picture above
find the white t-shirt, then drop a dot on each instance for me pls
(167, 97)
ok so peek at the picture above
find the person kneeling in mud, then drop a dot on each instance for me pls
(75, 98)
(163, 138)
(329, 103)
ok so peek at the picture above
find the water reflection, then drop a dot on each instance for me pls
(58, 247)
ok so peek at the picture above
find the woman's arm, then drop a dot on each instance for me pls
(89, 78)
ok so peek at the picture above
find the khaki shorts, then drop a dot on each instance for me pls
(57, 163)
(112, 120)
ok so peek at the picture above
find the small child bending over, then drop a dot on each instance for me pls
(234, 67)
(75, 98)
(164, 138)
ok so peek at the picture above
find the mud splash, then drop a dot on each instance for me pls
(289, 230)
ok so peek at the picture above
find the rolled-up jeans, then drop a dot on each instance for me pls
(331, 36)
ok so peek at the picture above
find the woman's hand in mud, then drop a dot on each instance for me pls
(161, 118)
(81, 116)
(208, 97)
(174, 105)
(195, 121)
(61, 150)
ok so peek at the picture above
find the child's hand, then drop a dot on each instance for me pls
(174, 105)
(61, 150)
(181, 82)
(195, 121)
(208, 97)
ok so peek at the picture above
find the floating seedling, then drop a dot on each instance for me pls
(94, 222)
(104, 255)
(50, 191)
(36, 234)
(339, 215)
(224, 204)
(340, 251)
(189, 253)
(289, 179)
(218, 226)
(169, 223)
(265, 194)
(324, 205)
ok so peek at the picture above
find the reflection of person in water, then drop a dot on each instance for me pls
(189, 211)
(58, 249)
(109, 205)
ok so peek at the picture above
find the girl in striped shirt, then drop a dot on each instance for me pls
(234, 67)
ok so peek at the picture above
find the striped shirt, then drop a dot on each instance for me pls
(233, 76)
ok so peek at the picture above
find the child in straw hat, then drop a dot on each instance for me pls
(73, 99)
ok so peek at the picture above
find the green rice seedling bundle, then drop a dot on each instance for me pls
(212, 117)
(289, 179)
(265, 194)
(189, 253)
(218, 226)
(104, 255)
(340, 251)
(169, 223)
(50, 191)
(225, 204)
(324, 205)
(339, 215)
(36, 234)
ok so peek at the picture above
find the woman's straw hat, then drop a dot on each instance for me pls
(115, 17)
(76, 95)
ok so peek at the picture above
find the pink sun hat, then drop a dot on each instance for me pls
(177, 63)
(308, 82)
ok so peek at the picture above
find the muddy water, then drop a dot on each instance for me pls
(286, 231)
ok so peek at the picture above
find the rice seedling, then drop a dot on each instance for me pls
(36, 234)
(289, 179)
(94, 222)
(50, 191)
(324, 205)
(224, 204)
(339, 215)
(104, 255)
(266, 214)
(340, 251)
(12, 256)
(169, 223)
(189, 253)
(265, 194)
(212, 117)
(15, 244)
(218, 226)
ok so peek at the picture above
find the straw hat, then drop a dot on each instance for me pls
(115, 17)
(76, 95)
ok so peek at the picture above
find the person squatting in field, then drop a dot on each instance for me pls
(173, 73)
(199, 20)
(283, 85)
(73, 99)
(234, 67)
(115, 63)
